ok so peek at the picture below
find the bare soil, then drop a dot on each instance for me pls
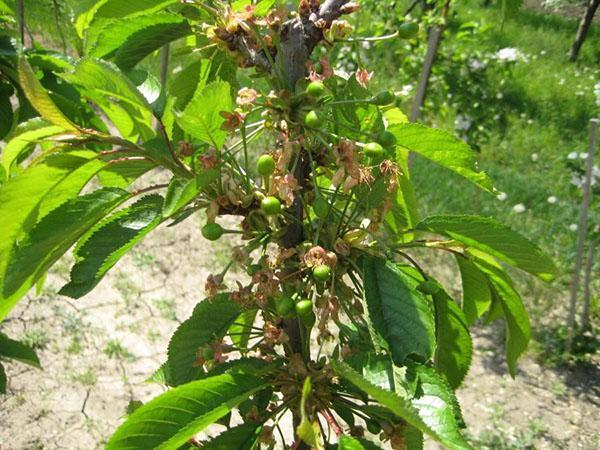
(98, 351)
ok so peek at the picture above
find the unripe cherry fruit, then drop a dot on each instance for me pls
(212, 231)
(384, 98)
(408, 30)
(315, 89)
(387, 139)
(271, 206)
(304, 308)
(322, 272)
(265, 165)
(373, 150)
(373, 426)
(321, 207)
(312, 120)
(284, 306)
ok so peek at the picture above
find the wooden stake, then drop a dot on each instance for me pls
(583, 225)
(587, 279)
(21, 19)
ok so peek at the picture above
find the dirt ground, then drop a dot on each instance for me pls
(98, 351)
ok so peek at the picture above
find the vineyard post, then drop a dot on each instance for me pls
(21, 18)
(583, 225)
(587, 279)
(432, 47)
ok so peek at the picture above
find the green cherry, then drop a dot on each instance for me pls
(271, 206)
(322, 272)
(408, 30)
(387, 139)
(373, 426)
(304, 308)
(284, 306)
(315, 89)
(321, 207)
(265, 165)
(312, 120)
(212, 231)
(384, 98)
(373, 150)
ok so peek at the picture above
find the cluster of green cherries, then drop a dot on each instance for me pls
(286, 306)
(374, 150)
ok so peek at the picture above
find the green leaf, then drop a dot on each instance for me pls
(182, 191)
(2, 380)
(490, 236)
(210, 321)
(52, 236)
(438, 407)
(518, 328)
(443, 149)
(113, 9)
(398, 312)
(104, 84)
(28, 197)
(169, 420)
(130, 40)
(476, 295)
(454, 346)
(241, 437)
(106, 243)
(240, 330)
(122, 173)
(404, 213)
(39, 98)
(422, 417)
(352, 443)
(202, 119)
(31, 133)
(18, 351)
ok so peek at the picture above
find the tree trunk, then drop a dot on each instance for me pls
(583, 225)
(587, 279)
(584, 27)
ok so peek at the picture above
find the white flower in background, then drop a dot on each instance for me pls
(543, 52)
(573, 227)
(552, 200)
(499, 95)
(597, 92)
(561, 81)
(406, 90)
(519, 208)
(596, 172)
(572, 155)
(535, 157)
(583, 155)
(476, 64)
(510, 54)
(502, 196)
(463, 122)
(576, 181)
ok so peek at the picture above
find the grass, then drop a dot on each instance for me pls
(548, 103)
